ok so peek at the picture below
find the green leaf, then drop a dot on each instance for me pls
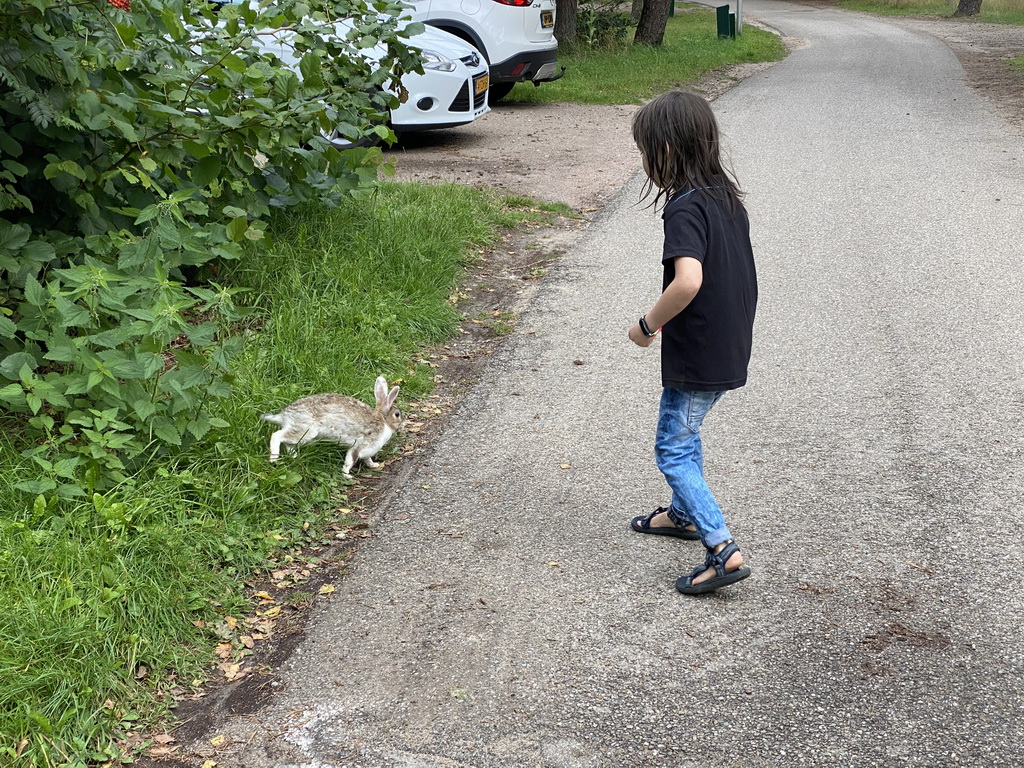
(144, 408)
(206, 170)
(13, 393)
(72, 314)
(198, 428)
(148, 213)
(167, 432)
(234, 63)
(309, 66)
(10, 366)
(35, 294)
(62, 350)
(7, 327)
(38, 250)
(36, 487)
(236, 229)
(13, 236)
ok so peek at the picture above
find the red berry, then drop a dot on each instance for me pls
(121, 5)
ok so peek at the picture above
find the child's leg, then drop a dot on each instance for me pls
(680, 458)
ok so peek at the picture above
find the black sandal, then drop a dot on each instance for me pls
(721, 578)
(642, 524)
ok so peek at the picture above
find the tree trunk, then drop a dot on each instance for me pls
(650, 30)
(566, 12)
(638, 6)
(968, 8)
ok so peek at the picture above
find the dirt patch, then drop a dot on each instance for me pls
(576, 154)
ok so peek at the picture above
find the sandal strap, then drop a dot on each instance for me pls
(645, 523)
(718, 561)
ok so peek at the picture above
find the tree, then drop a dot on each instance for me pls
(968, 8)
(566, 14)
(137, 145)
(635, 9)
(650, 30)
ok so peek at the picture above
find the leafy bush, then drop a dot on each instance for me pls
(140, 145)
(603, 25)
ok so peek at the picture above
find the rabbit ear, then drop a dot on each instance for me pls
(380, 391)
(392, 396)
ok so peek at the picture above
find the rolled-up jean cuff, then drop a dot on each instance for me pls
(719, 536)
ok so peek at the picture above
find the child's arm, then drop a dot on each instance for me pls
(676, 297)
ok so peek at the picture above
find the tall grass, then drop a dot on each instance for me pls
(632, 73)
(112, 601)
(997, 11)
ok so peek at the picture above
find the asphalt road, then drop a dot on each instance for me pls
(504, 615)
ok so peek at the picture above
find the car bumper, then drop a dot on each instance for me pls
(536, 66)
(443, 100)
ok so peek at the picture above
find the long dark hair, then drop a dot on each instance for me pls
(679, 138)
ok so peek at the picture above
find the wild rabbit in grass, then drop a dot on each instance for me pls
(339, 419)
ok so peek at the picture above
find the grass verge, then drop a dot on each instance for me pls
(114, 606)
(632, 74)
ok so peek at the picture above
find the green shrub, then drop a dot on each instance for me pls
(139, 145)
(603, 25)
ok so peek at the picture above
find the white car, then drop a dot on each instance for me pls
(517, 37)
(452, 90)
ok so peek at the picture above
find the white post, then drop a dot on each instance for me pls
(739, 17)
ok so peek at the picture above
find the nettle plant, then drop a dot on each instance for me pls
(141, 143)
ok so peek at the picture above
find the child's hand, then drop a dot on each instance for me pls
(638, 337)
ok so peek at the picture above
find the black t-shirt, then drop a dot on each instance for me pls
(706, 347)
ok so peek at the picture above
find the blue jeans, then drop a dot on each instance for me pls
(677, 449)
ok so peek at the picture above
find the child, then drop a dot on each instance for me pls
(705, 315)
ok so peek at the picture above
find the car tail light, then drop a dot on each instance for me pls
(518, 3)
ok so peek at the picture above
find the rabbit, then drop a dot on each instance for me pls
(340, 419)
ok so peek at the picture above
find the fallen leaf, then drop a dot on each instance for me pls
(247, 641)
(326, 589)
(218, 740)
(231, 621)
(210, 764)
(554, 563)
(272, 612)
(566, 466)
(231, 671)
(263, 596)
(164, 738)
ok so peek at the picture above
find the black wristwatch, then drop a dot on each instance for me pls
(644, 329)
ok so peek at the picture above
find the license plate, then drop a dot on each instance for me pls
(482, 83)
(547, 19)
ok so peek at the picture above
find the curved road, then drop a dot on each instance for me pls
(505, 616)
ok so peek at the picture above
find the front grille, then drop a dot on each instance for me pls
(461, 102)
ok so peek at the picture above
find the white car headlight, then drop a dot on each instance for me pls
(438, 61)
